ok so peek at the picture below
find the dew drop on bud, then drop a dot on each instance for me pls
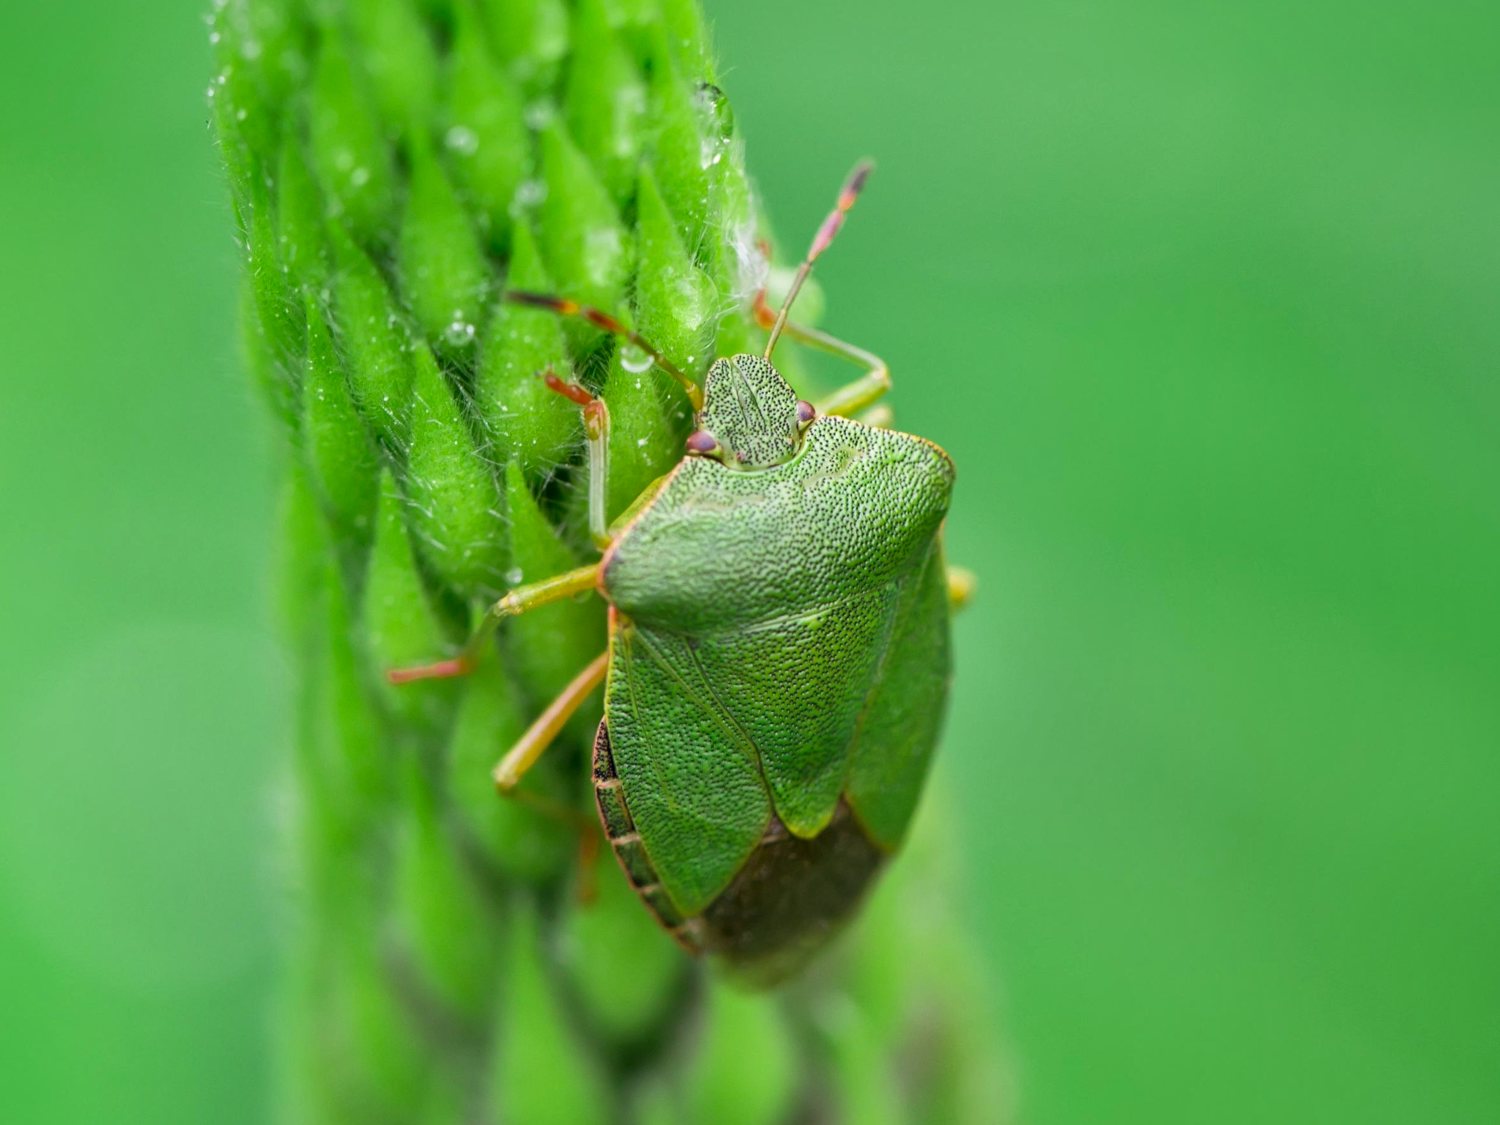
(539, 114)
(459, 333)
(462, 140)
(634, 360)
(528, 194)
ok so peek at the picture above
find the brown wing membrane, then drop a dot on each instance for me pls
(790, 897)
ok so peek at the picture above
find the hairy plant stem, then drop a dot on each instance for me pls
(395, 165)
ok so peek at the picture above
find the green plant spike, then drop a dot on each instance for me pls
(488, 147)
(396, 168)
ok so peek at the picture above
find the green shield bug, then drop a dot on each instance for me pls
(778, 655)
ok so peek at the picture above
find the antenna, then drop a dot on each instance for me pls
(821, 242)
(564, 307)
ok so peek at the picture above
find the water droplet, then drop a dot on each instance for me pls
(528, 194)
(640, 443)
(539, 114)
(713, 105)
(716, 123)
(634, 360)
(602, 247)
(459, 333)
(513, 576)
(462, 140)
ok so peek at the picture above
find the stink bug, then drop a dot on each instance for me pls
(778, 655)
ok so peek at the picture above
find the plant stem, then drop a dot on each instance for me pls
(394, 166)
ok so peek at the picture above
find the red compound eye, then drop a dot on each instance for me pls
(806, 412)
(701, 441)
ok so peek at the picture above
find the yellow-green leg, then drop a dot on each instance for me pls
(848, 400)
(519, 600)
(533, 744)
(523, 598)
(961, 584)
(854, 397)
(544, 730)
(596, 433)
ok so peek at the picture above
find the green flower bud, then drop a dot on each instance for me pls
(487, 146)
(582, 239)
(349, 146)
(444, 923)
(396, 167)
(632, 988)
(443, 269)
(395, 48)
(548, 647)
(531, 37)
(516, 840)
(718, 1086)
(675, 300)
(374, 342)
(539, 1073)
(402, 626)
(605, 98)
(341, 458)
(457, 512)
(527, 423)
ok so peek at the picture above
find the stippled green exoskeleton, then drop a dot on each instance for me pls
(778, 658)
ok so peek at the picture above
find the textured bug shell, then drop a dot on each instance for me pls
(779, 657)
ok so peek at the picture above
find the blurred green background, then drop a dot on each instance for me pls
(1202, 298)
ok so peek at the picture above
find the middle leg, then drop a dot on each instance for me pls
(519, 600)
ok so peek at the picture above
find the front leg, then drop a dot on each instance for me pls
(596, 432)
(854, 397)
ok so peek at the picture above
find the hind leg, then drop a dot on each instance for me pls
(544, 730)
